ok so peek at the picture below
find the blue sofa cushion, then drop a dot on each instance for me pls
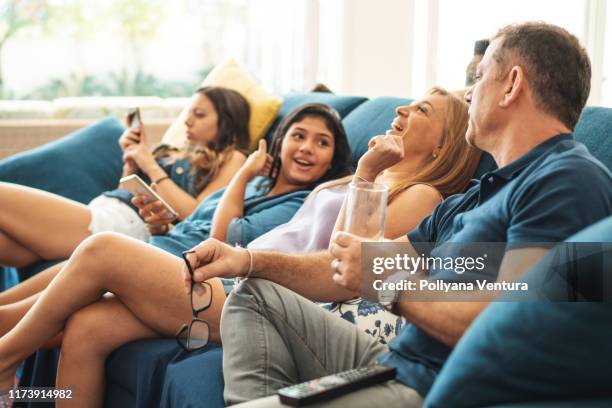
(79, 166)
(184, 389)
(158, 372)
(538, 351)
(594, 129)
(370, 119)
(343, 104)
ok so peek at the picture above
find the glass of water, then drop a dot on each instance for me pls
(366, 210)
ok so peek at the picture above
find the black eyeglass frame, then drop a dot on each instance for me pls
(194, 311)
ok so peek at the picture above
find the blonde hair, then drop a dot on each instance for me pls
(450, 172)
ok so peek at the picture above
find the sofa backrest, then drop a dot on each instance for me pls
(365, 118)
(546, 350)
(79, 166)
(594, 129)
(343, 104)
(370, 119)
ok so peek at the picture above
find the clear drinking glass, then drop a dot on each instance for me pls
(366, 210)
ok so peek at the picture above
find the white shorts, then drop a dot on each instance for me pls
(109, 214)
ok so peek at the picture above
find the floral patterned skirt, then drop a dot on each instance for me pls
(369, 316)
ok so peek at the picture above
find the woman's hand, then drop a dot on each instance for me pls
(154, 214)
(129, 137)
(258, 163)
(383, 152)
(141, 156)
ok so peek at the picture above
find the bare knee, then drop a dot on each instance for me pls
(96, 253)
(99, 244)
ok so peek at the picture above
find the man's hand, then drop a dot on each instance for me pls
(346, 250)
(154, 213)
(215, 259)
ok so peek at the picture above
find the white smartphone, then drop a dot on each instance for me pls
(137, 186)
(133, 118)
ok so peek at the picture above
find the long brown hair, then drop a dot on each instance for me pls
(233, 134)
(450, 172)
(341, 161)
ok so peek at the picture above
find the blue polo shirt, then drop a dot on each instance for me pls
(546, 195)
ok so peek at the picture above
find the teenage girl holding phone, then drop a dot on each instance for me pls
(36, 225)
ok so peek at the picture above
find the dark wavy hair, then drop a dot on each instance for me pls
(341, 162)
(232, 118)
(233, 114)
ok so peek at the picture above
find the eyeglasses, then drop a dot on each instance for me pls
(194, 336)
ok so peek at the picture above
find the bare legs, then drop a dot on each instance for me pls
(36, 225)
(16, 301)
(146, 280)
(91, 334)
(11, 314)
(15, 254)
(31, 286)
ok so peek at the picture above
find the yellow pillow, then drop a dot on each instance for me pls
(264, 106)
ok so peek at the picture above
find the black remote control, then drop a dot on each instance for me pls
(332, 386)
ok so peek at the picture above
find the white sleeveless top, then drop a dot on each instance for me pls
(310, 228)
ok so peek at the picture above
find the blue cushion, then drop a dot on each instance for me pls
(8, 278)
(594, 129)
(140, 368)
(521, 351)
(194, 379)
(343, 104)
(370, 119)
(79, 166)
(157, 372)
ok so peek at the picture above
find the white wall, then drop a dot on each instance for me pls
(402, 47)
(365, 46)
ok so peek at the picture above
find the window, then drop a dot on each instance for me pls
(461, 23)
(145, 47)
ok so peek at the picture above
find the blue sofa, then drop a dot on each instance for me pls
(156, 372)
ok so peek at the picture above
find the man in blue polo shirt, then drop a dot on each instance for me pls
(529, 91)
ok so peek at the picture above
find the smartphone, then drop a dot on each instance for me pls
(137, 186)
(133, 118)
